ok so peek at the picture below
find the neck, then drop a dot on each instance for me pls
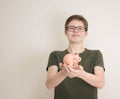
(76, 48)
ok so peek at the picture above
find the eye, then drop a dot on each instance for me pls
(71, 28)
(80, 28)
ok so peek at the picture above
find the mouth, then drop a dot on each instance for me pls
(75, 35)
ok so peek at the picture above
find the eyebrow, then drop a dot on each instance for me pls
(75, 26)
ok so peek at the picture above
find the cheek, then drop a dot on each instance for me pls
(83, 35)
(68, 35)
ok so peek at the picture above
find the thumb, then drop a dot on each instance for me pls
(61, 65)
(80, 67)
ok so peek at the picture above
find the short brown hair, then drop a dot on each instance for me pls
(77, 17)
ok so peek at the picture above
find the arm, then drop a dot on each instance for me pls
(54, 78)
(96, 80)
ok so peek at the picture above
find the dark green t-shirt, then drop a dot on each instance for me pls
(76, 88)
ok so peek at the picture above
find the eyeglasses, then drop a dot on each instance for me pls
(73, 28)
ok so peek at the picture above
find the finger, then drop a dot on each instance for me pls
(80, 67)
(71, 69)
(61, 65)
(67, 68)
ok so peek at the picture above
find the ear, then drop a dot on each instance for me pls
(86, 33)
(65, 32)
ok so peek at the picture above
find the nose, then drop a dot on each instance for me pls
(76, 29)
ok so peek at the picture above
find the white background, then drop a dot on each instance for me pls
(31, 29)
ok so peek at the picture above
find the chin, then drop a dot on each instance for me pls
(75, 41)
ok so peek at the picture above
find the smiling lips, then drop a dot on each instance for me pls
(76, 35)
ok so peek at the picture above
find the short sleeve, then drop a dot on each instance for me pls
(99, 59)
(52, 60)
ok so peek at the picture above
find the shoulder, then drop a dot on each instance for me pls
(93, 51)
(58, 52)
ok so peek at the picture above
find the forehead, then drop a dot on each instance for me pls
(76, 23)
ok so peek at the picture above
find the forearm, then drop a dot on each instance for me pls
(55, 80)
(92, 79)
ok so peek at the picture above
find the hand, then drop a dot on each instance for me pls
(71, 71)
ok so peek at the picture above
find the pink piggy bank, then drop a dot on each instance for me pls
(71, 59)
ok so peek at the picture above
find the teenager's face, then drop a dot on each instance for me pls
(76, 32)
